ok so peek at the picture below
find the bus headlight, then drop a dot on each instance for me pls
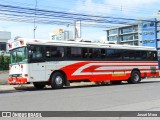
(20, 75)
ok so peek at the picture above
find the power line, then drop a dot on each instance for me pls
(27, 14)
(115, 8)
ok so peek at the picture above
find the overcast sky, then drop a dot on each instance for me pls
(114, 8)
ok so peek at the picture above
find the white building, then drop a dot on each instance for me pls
(4, 37)
(61, 34)
(127, 34)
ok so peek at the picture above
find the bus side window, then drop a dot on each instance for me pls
(155, 56)
(152, 55)
(68, 52)
(96, 53)
(85, 53)
(144, 55)
(38, 53)
(76, 52)
(109, 54)
(60, 52)
(53, 52)
(90, 54)
(47, 52)
(103, 54)
(138, 55)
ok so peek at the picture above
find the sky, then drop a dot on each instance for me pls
(112, 8)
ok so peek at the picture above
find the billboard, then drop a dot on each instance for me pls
(149, 34)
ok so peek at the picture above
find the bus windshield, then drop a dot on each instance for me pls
(18, 55)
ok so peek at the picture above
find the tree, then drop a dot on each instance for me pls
(4, 61)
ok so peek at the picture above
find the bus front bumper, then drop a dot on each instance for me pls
(17, 80)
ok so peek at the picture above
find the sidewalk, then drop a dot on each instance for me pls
(30, 86)
(3, 77)
(15, 87)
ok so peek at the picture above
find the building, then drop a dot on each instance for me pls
(4, 37)
(61, 34)
(144, 33)
(128, 34)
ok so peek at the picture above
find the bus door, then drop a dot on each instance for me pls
(37, 71)
(37, 67)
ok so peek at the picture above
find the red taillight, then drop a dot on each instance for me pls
(36, 41)
(26, 75)
(10, 45)
(22, 42)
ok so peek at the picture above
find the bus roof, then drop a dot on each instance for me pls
(81, 44)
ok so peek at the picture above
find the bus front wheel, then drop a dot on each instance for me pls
(57, 80)
(135, 77)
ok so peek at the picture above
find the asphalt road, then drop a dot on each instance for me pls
(125, 97)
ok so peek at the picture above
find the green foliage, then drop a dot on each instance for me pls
(4, 61)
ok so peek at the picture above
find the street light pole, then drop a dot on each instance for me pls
(35, 27)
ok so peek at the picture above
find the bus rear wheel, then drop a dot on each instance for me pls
(135, 77)
(38, 85)
(57, 80)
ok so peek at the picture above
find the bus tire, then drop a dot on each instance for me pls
(38, 85)
(135, 77)
(57, 80)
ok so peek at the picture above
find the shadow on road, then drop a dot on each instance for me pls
(25, 89)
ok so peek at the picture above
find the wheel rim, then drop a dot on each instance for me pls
(136, 77)
(59, 80)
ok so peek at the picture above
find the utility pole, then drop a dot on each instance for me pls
(75, 31)
(35, 27)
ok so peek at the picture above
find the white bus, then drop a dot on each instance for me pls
(59, 63)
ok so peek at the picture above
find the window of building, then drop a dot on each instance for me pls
(113, 32)
(127, 37)
(136, 36)
(127, 30)
(135, 28)
(158, 24)
(158, 34)
(2, 46)
(113, 38)
(136, 43)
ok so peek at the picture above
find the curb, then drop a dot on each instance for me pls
(15, 87)
(6, 88)
(30, 86)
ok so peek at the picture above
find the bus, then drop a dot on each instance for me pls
(59, 63)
